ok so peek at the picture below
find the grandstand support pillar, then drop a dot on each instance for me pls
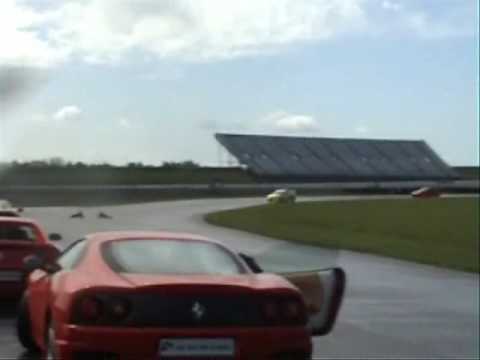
(231, 161)
(219, 155)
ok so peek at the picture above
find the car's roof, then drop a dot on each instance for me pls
(20, 220)
(101, 237)
(5, 204)
(96, 272)
(9, 211)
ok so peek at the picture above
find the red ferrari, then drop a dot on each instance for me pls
(19, 238)
(157, 295)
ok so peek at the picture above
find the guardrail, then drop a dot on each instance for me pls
(398, 185)
(93, 195)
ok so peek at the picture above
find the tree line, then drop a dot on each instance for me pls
(58, 162)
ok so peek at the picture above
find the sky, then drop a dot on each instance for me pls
(152, 80)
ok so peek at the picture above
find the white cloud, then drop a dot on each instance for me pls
(362, 130)
(21, 38)
(283, 121)
(195, 30)
(62, 115)
(108, 31)
(67, 113)
(296, 123)
(125, 123)
(391, 5)
(199, 30)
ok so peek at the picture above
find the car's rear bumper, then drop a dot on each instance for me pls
(75, 342)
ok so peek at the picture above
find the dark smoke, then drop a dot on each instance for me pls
(16, 83)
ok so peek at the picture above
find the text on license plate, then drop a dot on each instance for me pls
(180, 347)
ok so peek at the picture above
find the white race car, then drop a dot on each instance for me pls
(7, 209)
(286, 196)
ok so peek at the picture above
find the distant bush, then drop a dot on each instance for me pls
(57, 171)
(58, 162)
(180, 165)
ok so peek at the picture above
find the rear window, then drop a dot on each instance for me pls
(146, 256)
(17, 232)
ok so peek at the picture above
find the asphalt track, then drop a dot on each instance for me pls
(393, 309)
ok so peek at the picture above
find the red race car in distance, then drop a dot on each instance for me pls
(19, 238)
(157, 295)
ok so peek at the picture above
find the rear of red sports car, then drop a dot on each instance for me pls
(19, 238)
(150, 298)
(218, 321)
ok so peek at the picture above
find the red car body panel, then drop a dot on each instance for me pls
(51, 299)
(142, 344)
(13, 253)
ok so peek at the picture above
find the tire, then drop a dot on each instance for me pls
(24, 332)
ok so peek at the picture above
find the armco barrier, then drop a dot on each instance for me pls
(470, 185)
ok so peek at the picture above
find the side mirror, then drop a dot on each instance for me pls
(32, 262)
(55, 237)
(251, 263)
(323, 294)
(35, 262)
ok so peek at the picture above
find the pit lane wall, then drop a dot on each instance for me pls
(42, 195)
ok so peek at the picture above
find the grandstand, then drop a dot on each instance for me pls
(332, 159)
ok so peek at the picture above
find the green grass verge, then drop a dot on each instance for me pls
(442, 232)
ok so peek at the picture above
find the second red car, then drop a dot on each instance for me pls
(19, 238)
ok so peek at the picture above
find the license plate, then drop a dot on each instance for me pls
(10, 276)
(195, 347)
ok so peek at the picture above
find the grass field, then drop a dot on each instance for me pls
(442, 232)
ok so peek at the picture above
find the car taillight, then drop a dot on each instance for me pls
(118, 308)
(101, 309)
(271, 311)
(284, 312)
(90, 308)
(293, 310)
